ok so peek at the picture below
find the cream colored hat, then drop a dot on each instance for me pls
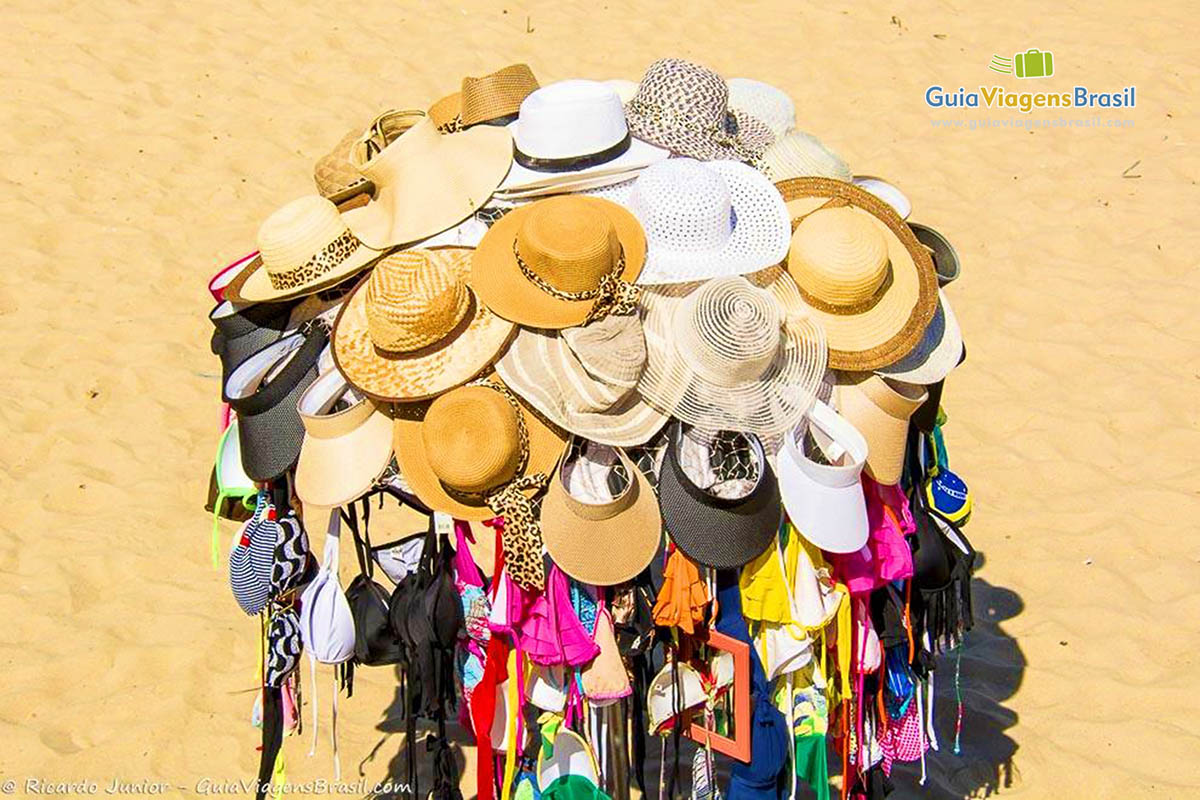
(732, 354)
(303, 247)
(414, 328)
(426, 182)
(766, 103)
(584, 379)
(879, 408)
(336, 177)
(802, 155)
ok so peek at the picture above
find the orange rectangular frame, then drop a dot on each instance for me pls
(739, 746)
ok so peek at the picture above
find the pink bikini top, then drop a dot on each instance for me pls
(886, 557)
(544, 626)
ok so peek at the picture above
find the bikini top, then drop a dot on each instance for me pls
(326, 624)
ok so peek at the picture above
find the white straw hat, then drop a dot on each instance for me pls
(707, 220)
(802, 155)
(766, 103)
(731, 354)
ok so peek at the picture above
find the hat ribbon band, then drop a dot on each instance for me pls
(330, 256)
(611, 295)
(861, 306)
(673, 119)
(571, 163)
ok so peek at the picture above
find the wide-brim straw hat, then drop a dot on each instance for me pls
(945, 257)
(304, 247)
(880, 409)
(738, 353)
(334, 174)
(414, 328)
(426, 182)
(766, 103)
(936, 354)
(597, 534)
(347, 443)
(492, 98)
(584, 379)
(581, 252)
(860, 269)
(802, 155)
(475, 438)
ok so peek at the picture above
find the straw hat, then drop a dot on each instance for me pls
(880, 409)
(494, 98)
(936, 354)
(303, 247)
(585, 379)
(570, 131)
(336, 177)
(560, 262)
(802, 155)
(426, 182)
(414, 328)
(706, 220)
(477, 452)
(763, 102)
(347, 443)
(598, 497)
(865, 276)
(730, 354)
(684, 107)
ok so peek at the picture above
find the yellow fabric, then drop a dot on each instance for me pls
(514, 708)
(766, 594)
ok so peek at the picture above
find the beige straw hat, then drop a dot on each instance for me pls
(303, 247)
(734, 353)
(477, 452)
(584, 379)
(769, 104)
(426, 182)
(802, 155)
(861, 270)
(560, 262)
(414, 328)
(492, 98)
(880, 409)
(336, 177)
(596, 533)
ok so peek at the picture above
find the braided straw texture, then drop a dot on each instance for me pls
(413, 301)
(800, 155)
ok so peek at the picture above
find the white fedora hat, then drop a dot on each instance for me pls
(824, 498)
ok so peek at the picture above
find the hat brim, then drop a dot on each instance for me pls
(885, 191)
(886, 434)
(834, 518)
(938, 352)
(639, 155)
(222, 279)
(399, 377)
(545, 446)
(339, 470)
(945, 257)
(587, 184)
(890, 329)
(498, 279)
(602, 552)
(253, 284)
(754, 136)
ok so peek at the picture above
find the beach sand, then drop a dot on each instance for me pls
(143, 143)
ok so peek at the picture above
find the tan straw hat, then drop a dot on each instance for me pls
(560, 262)
(802, 155)
(414, 328)
(347, 443)
(493, 98)
(732, 354)
(880, 409)
(477, 452)
(426, 182)
(303, 247)
(585, 379)
(600, 518)
(861, 270)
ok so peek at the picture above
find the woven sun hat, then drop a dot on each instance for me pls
(414, 328)
(584, 379)
(732, 353)
(560, 262)
(684, 107)
(820, 478)
(707, 220)
(860, 270)
(802, 155)
(936, 354)
(572, 130)
(887, 192)
(945, 257)
(334, 174)
(347, 443)
(493, 99)
(719, 497)
(762, 101)
(880, 409)
(304, 247)
(426, 182)
(600, 518)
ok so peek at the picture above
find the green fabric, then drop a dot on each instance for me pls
(573, 787)
(812, 764)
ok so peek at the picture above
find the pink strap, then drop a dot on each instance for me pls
(464, 564)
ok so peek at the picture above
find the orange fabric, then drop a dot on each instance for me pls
(683, 596)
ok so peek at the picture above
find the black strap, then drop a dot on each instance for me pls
(571, 163)
(270, 394)
(272, 738)
(362, 541)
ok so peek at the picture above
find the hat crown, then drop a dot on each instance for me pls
(694, 94)
(683, 205)
(570, 118)
(299, 231)
(766, 103)
(414, 299)
(496, 95)
(612, 353)
(418, 141)
(839, 257)
(801, 155)
(568, 243)
(732, 332)
(472, 438)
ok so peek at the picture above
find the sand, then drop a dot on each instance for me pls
(144, 142)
